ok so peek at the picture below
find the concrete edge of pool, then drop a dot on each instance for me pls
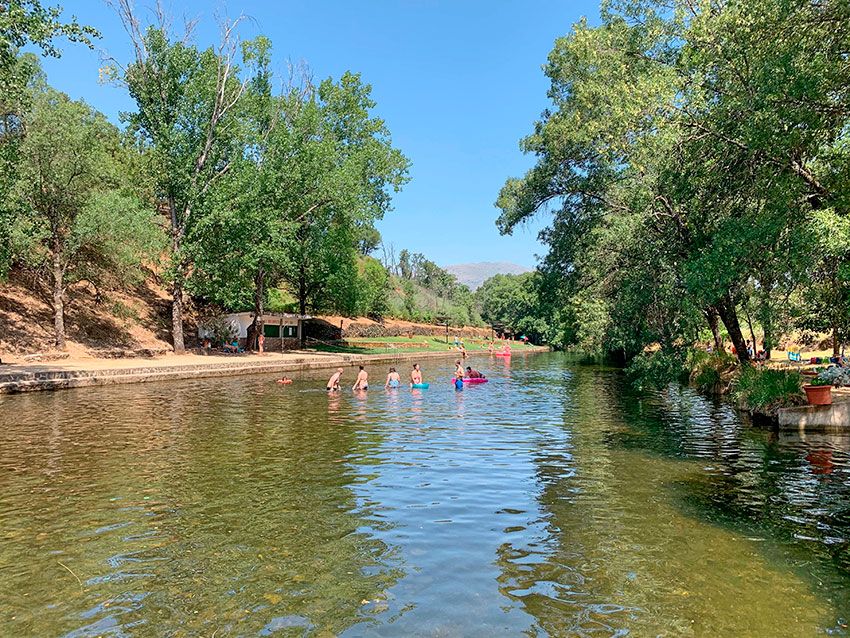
(17, 381)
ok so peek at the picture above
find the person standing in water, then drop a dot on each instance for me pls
(333, 382)
(362, 382)
(415, 375)
(393, 380)
(458, 380)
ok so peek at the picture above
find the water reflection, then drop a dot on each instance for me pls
(185, 510)
(550, 501)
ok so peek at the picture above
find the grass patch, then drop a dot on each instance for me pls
(765, 391)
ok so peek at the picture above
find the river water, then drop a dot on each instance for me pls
(552, 501)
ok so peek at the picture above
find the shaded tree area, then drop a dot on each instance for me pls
(690, 162)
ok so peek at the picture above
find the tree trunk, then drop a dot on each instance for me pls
(726, 310)
(256, 327)
(58, 295)
(713, 318)
(836, 347)
(768, 341)
(752, 332)
(302, 292)
(177, 287)
(177, 316)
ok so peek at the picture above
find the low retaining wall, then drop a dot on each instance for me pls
(816, 418)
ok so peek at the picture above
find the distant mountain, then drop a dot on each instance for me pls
(473, 275)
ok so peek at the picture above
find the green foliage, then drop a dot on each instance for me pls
(765, 390)
(657, 369)
(711, 372)
(28, 21)
(74, 218)
(686, 157)
(373, 286)
(514, 303)
(422, 291)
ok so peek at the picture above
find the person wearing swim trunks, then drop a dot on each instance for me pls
(393, 380)
(458, 370)
(362, 382)
(333, 382)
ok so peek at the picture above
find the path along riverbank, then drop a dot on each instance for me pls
(76, 373)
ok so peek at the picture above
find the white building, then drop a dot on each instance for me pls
(284, 326)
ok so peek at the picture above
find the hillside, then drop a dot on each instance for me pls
(475, 274)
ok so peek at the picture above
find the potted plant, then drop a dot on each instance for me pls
(819, 391)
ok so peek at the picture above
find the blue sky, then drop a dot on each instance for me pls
(457, 81)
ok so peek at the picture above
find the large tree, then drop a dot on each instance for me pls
(73, 210)
(23, 22)
(186, 122)
(685, 150)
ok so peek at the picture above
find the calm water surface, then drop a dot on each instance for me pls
(552, 501)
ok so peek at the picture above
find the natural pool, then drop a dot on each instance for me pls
(551, 501)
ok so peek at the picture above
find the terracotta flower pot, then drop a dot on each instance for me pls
(818, 394)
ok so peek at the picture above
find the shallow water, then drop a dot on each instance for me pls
(550, 501)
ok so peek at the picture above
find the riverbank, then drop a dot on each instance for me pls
(76, 373)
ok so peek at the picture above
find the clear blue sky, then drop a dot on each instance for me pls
(457, 81)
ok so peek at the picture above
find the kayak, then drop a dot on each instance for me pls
(475, 380)
(421, 386)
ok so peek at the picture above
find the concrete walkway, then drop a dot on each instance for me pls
(75, 373)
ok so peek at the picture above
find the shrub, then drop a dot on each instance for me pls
(657, 369)
(833, 375)
(713, 372)
(765, 391)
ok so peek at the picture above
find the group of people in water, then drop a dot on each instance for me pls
(394, 378)
(362, 381)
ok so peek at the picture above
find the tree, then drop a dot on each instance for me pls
(514, 303)
(28, 22)
(186, 123)
(825, 304)
(336, 170)
(71, 208)
(23, 22)
(373, 288)
(686, 148)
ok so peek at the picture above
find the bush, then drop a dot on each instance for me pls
(764, 390)
(712, 372)
(657, 369)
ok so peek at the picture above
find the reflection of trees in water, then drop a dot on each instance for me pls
(613, 554)
(202, 506)
(565, 567)
(789, 487)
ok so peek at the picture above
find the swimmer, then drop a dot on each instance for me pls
(362, 382)
(284, 380)
(473, 374)
(333, 382)
(393, 379)
(458, 370)
(415, 375)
